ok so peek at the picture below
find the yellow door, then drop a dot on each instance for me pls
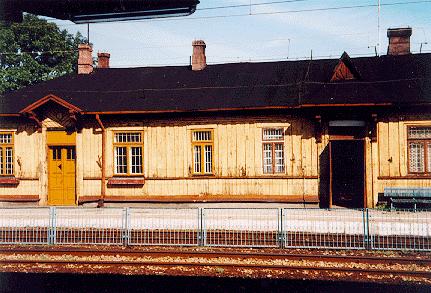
(61, 175)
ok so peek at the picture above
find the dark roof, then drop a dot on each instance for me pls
(386, 79)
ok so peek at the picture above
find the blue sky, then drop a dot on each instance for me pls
(264, 37)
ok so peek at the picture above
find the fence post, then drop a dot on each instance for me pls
(370, 237)
(126, 226)
(367, 242)
(201, 229)
(52, 229)
(280, 235)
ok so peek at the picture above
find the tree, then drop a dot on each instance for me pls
(35, 50)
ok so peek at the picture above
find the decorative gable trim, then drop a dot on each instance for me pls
(29, 110)
(45, 100)
(345, 70)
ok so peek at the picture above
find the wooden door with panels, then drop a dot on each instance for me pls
(61, 168)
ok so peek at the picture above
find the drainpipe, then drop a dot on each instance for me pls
(103, 188)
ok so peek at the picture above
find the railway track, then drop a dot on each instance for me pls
(183, 261)
(198, 265)
(207, 254)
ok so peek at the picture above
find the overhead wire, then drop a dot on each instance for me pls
(234, 15)
(362, 82)
(319, 9)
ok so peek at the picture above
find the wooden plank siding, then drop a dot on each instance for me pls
(237, 159)
(392, 161)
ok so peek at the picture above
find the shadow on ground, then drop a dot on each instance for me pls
(20, 282)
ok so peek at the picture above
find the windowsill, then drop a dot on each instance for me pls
(273, 174)
(203, 175)
(9, 180)
(407, 177)
(419, 175)
(119, 181)
(128, 176)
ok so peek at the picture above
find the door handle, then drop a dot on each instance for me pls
(59, 166)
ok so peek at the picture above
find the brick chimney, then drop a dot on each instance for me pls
(85, 59)
(199, 60)
(399, 41)
(103, 60)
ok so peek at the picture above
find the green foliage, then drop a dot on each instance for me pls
(34, 51)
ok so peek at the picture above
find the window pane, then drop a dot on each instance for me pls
(419, 132)
(202, 136)
(5, 138)
(208, 159)
(197, 159)
(120, 137)
(429, 156)
(267, 158)
(279, 158)
(416, 157)
(1, 161)
(120, 160)
(136, 160)
(273, 134)
(9, 161)
(71, 153)
(56, 154)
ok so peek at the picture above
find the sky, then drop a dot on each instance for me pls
(276, 31)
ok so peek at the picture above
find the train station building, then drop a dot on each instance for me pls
(327, 132)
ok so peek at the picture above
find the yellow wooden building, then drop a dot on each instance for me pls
(333, 132)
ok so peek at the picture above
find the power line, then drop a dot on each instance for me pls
(241, 86)
(184, 45)
(251, 4)
(255, 60)
(37, 52)
(334, 8)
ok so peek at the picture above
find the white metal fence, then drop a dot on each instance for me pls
(241, 227)
(399, 230)
(223, 227)
(163, 226)
(25, 226)
(88, 226)
(319, 228)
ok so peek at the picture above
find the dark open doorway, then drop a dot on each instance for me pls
(347, 173)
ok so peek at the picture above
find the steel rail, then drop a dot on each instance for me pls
(365, 259)
(425, 274)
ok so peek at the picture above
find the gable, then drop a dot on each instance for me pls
(54, 116)
(52, 112)
(47, 99)
(345, 70)
(341, 72)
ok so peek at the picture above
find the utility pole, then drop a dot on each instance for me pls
(378, 27)
(88, 33)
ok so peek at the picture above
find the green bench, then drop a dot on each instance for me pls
(408, 195)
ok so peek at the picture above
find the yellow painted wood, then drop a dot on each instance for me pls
(288, 150)
(60, 138)
(383, 131)
(297, 148)
(402, 142)
(61, 176)
(237, 144)
(393, 147)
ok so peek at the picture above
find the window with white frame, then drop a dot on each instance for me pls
(6, 153)
(203, 145)
(273, 150)
(128, 153)
(419, 149)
